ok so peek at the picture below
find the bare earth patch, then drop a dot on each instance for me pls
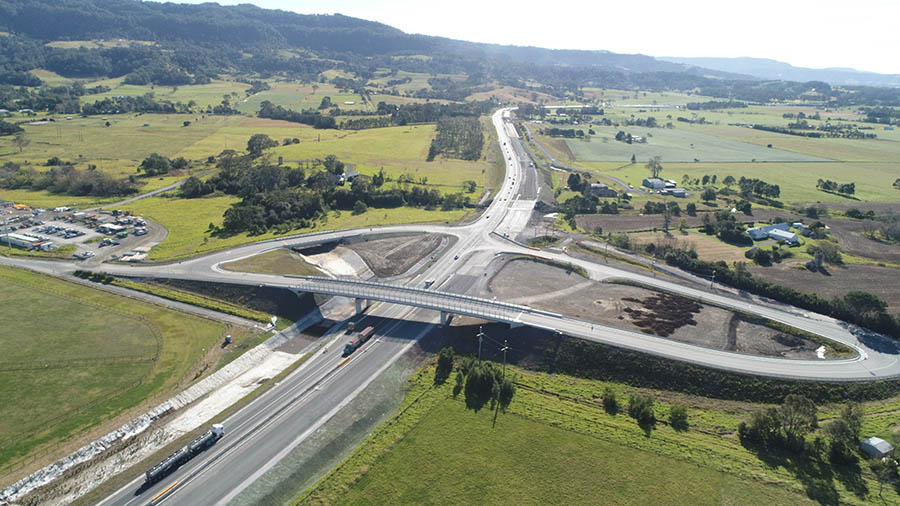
(880, 281)
(396, 255)
(614, 305)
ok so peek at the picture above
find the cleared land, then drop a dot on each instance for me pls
(675, 145)
(396, 255)
(636, 309)
(880, 281)
(74, 357)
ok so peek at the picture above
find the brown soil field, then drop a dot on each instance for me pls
(617, 223)
(396, 255)
(881, 281)
(852, 240)
(626, 307)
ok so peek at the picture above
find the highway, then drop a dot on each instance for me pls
(261, 433)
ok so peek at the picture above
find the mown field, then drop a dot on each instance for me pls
(74, 356)
(675, 145)
(187, 221)
(557, 445)
(797, 181)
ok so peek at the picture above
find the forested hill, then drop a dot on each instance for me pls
(255, 29)
(191, 44)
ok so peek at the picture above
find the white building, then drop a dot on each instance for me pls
(25, 241)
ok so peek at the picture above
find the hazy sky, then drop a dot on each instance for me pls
(807, 33)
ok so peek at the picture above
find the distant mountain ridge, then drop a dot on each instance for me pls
(249, 27)
(765, 68)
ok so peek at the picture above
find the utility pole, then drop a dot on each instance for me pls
(480, 339)
(713, 279)
(505, 347)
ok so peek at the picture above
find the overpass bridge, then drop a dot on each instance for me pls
(445, 302)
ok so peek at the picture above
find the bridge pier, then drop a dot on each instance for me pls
(361, 305)
(445, 318)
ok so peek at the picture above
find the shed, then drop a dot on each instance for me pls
(781, 235)
(654, 183)
(876, 448)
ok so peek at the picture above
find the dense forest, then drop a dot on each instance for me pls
(187, 44)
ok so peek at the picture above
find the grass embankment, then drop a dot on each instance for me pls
(120, 480)
(63, 252)
(543, 240)
(194, 299)
(187, 221)
(557, 445)
(74, 356)
(279, 261)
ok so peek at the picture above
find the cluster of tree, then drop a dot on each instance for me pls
(859, 215)
(671, 208)
(802, 115)
(836, 132)
(157, 165)
(699, 121)
(457, 137)
(65, 179)
(7, 128)
(568, 133)
(587, 204)
(484, 383)
(282, 197)
(726, 227)
(625, 137)
(883, 115)
(715, 104)
(759, 188)
(313, 118)
(861, 308)
(431, 112)
(124, 104)
(832, 186)
(649, 122)
(765, 257)
(785, 428)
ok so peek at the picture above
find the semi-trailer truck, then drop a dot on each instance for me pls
(185, 453)
(358, 340)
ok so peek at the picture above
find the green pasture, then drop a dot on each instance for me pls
(126, 140)
(674, 145)
(202, 94)
(557, 445)
(298, 97)
(796, 180)
(187, 221)
(75, 356)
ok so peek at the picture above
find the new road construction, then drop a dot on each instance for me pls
(266, 429)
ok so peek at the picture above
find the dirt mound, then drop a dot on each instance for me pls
(664, 313)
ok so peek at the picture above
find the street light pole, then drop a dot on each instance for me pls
(713, 279)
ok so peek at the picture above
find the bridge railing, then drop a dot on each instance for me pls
(429, 299)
